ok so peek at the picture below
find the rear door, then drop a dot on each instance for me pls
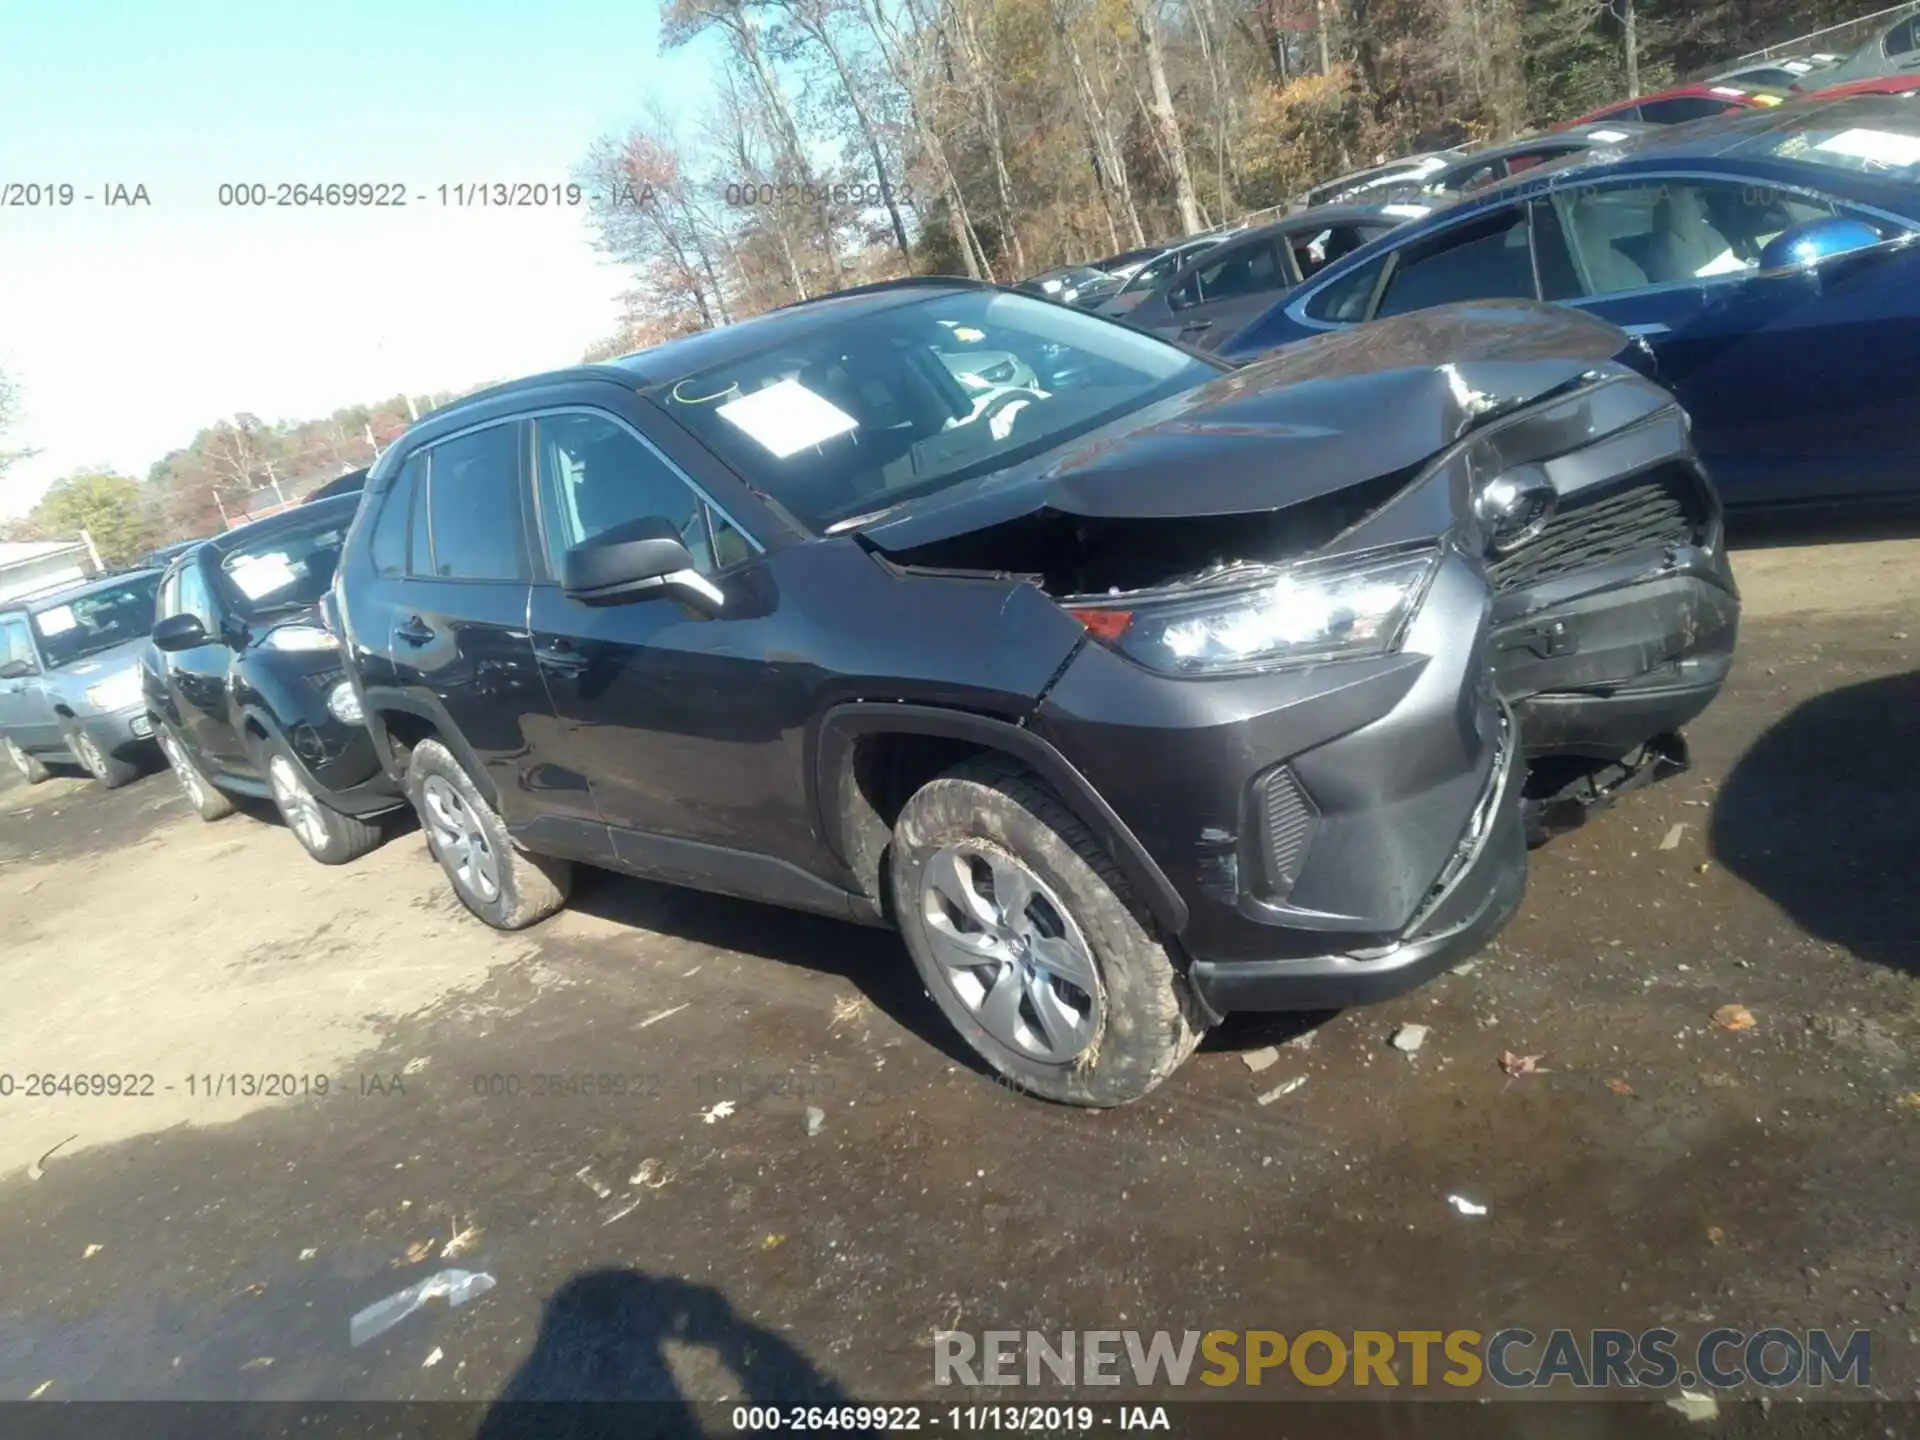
(451, 632)
(1226, 288)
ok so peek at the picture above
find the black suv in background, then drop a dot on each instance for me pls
(1134, 692)
(247, 688)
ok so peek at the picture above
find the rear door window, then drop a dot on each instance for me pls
(1345, 300)
(1242, 270)
(474, 510)
(1486, 259)
(388, 545)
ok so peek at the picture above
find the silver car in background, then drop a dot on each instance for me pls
(70, 677)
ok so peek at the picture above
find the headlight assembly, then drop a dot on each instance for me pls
(300, 638)
(116, 692)
(1288, 615)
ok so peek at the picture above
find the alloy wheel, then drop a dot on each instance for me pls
(90, 756)
(296, 802)
(1010, 951)
(460, 840)
(183, 770)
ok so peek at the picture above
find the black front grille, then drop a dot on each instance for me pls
(1287, 819)
(1657, 510)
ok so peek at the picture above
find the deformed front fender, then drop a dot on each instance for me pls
(846, 724)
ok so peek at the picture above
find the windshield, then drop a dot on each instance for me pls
(856, 417)
(288, 570)
(95, 621)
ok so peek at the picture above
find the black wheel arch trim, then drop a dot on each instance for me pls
(379, 703)
(846, 723)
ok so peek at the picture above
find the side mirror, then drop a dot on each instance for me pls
(1804, 247)
(17, 670)
(180, 632)
(635, 561)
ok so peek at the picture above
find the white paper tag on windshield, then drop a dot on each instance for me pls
(56, 621)
(258, 575)
(1883, 147)
(787, 417)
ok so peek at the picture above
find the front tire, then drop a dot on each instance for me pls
(207, 802)
(1031, 943)
(110, 770)
(28, 766)
(323, 832)
(507, 887)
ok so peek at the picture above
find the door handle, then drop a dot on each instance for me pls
(561, 658)
(414, 631)
(1196, 325)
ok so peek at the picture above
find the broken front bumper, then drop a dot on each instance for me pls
(1471, 901)
(1338, 832)
(1616, 623)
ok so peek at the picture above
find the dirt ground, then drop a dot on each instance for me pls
(1658, 1169)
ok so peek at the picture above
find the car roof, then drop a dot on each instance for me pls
(1572, 135)
(297, 517)
(1319, 216)
(1750, 136)
(672, 359)
(35, 601)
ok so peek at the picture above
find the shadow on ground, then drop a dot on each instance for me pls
(604, 1363)
(872, 959)
(1822, 817)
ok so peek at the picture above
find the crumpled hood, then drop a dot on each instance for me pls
(1317, 417)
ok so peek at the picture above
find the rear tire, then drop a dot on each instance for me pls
(323, 832)
(207, 802)
(109, 769)
(29, 767)
(1068, 995)
(505, 886)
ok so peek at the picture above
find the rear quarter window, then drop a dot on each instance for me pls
(1344, 300)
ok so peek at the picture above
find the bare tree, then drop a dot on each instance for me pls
(1166, 124)
(815, 19)
(894, 49)
(1109, 165)
(688, 18)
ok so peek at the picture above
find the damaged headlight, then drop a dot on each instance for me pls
(1315, 611)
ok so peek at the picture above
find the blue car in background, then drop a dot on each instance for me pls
(1767, 260)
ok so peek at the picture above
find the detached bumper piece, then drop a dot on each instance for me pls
(1474, 895)
(1616, 623)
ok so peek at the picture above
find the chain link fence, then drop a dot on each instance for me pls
(1841, 39)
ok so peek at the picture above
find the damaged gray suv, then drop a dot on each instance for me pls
(1132, 688)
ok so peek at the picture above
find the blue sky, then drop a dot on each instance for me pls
(129, 329)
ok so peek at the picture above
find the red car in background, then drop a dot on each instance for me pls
(1907, 84)
(1682, 103)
